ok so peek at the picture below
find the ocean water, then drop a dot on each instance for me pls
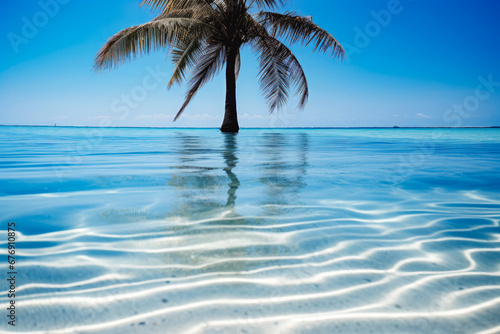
(266, 231)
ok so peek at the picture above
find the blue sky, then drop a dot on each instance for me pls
(411, 63)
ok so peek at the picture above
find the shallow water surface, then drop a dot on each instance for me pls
(266, 231)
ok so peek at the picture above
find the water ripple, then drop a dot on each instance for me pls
(264, 232)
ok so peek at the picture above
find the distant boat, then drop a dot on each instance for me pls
(396, 127)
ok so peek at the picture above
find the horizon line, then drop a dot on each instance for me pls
(260, 128)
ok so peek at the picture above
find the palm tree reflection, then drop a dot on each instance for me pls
(198, 177)
(206, 188)
(283, 169)
(229, 154)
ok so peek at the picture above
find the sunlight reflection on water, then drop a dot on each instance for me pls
(266, 231)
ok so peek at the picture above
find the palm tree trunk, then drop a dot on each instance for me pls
(230, 123)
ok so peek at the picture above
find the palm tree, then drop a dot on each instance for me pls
(203, 35)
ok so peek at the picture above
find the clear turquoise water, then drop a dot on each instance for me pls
(267, 231)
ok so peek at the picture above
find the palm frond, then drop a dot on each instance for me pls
(294, 29)
(199, 33)
(288, 72)
(184, 56)
(298, 79)
(155, 35)
(271, 4)
(166, 6)
(273, 75)
(208, 65)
